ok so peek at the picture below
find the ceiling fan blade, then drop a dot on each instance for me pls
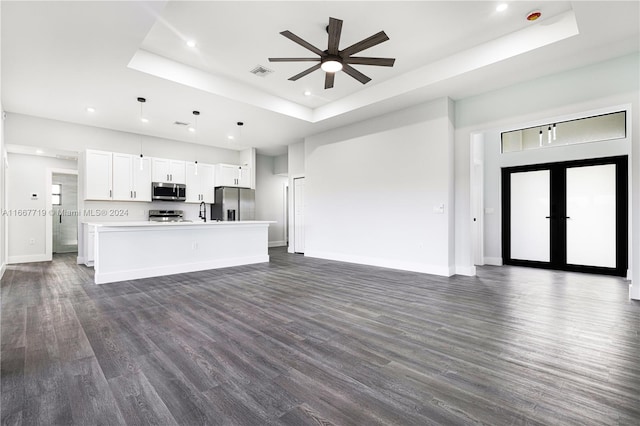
(365, 44)
(294, 59)
(382, 62)
(355, 74)
(291, 36)
(328, 80)
(305, 72)
(335, 29)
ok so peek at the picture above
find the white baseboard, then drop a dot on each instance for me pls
(80, 260)
(277, 243)
(469, 271)
(2, 269)
(134, 274)
(444, 271)
(493, 261)
(28, 258)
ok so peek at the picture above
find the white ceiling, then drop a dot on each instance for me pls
(60, 57)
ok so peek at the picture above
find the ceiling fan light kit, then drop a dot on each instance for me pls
(333, 59)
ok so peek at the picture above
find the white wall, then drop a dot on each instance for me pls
(280, 164)
(372, 189)
(270, 199)
(27, 217)
(552, 98)
(296, 168)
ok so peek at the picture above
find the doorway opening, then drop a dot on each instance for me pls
(62, 203)
(298, 215)
(570, 216)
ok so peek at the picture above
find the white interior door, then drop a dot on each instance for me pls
(530, 211)
(298, 219)
(591, 215)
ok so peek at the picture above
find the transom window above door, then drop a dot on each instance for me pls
(583, 130)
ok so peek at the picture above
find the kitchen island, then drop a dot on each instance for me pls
(131, 250)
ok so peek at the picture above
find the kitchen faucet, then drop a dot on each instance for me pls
(203, 211)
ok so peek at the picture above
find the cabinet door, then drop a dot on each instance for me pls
(122, 179)
(226, 175)
(244, 177)
(160, 170)
(177, 171)
(206, 182)
(141, 172)
(192, 179)
(97, 175)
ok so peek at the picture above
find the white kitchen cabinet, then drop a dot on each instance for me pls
(199, 181)
(231, 175)
(98, 175)
(89, 241)
(131, 178)
(165, 170)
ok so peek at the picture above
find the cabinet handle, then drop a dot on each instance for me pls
(109, 193)
(130, 194)
(135, 194)
(170, 178)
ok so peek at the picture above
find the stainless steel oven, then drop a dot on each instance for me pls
(168, 191)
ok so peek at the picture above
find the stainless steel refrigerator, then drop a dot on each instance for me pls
(233, 204)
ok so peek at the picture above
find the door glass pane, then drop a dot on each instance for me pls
(591, 212)
(530, 229)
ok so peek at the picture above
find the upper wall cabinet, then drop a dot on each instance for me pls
(98, 175)
(115, 176)
(131, 178)
(164, 170)
(199, 183)
(230, 175)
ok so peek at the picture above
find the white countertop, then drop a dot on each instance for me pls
(147, 223)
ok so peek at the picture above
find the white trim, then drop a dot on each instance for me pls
(28, 258)
(132, 274)
(493, 261)
(445, 271)
(277, 243)
(468, 271)
(3, 268)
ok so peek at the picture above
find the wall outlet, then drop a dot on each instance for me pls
(439, 209)
(32, 241)
(194, 246)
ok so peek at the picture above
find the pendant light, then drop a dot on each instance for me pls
(549, 135)
(142, 117)
(193, 129)
(144, 120)
(540, 136)
(554, 131)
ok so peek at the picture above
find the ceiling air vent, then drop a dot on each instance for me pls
(180, 123)
(261, 71)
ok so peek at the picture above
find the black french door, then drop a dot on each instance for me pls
(570, 216)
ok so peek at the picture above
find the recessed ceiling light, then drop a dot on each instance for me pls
(502, 7)
(230, 137)
(91, 109)
(307, 93)
(39, 151)
(192, 129)
(144, 119)
(191, 43)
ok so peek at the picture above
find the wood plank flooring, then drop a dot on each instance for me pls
(306, 341)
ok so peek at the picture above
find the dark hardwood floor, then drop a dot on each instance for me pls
(308, 341)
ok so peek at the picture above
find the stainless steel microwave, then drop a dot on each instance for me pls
(168, 191)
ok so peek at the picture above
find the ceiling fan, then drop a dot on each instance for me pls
(333, 59)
